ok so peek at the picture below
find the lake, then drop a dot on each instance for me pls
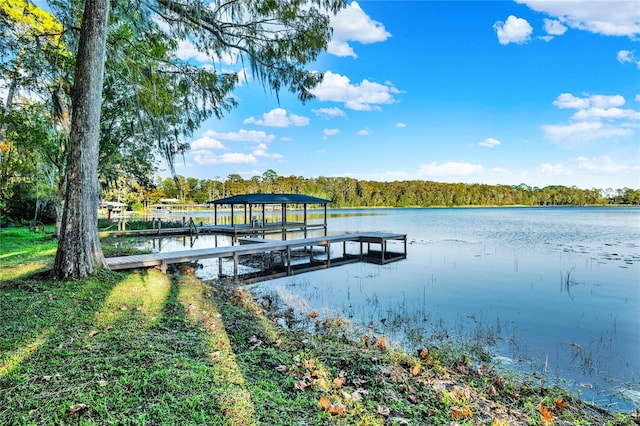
(550, 292)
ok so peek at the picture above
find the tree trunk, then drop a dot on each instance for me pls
(79, 252)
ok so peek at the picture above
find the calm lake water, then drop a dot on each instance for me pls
(553, 292)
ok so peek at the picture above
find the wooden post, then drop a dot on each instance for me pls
(215, 215)
(235, 266)
(325, 220)
(305, 220)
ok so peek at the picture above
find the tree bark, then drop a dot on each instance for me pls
(79, 252)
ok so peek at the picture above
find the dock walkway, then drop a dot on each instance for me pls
(259, 246)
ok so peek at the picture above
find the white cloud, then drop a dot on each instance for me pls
(401, 125)
(353, 24)
(205, 158)
(365, 96)
(554, 170)
(598, 117)
(489, 143)
(607, 113)
(628, 56)
(241, 135)
(261, 151)
(514, 30)
(601, 165)
(363, 132)
(450, 168)
(330, 132)
(328, 113)
(567, 100)
(207, 142)
(637, 98)
(278, 118)
(614, 18)
(553, 27)
(583, 131)
(187, 50)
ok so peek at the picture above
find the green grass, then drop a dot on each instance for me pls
(141, 347)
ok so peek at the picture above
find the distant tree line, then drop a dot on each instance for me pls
(350, 192)
(342, 191)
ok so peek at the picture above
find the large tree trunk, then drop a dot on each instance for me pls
(79, 252)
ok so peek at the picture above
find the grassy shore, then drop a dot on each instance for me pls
(134, 348)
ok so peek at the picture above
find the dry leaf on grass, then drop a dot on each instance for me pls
(383, 410)
(546, 414)
(77, 408)
(560, 404)
(324, 402)
(415, 370)
(338, 409)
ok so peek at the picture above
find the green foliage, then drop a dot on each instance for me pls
(349, 192)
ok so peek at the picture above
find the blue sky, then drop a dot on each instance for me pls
(499, 92)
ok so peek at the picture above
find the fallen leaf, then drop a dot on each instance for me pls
(337, 409)
(586, 385)
(356, 396)
(383, 410)
(382, 343)
(76, 408)
(423, 353)
(359, 382)
(339, 382)
(546, 414)
(282, 368)
(93, 333)
(492, 391)
(179, 364)
(324, 402)
(313, 314)
(456, 412)
(102, 383)
(254, 342)
(560, 404)
(415, 370)
(300, 385)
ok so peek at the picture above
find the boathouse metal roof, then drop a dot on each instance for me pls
(271, 199)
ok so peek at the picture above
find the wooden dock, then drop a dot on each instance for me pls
(372, 247)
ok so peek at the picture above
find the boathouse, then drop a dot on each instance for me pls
(256, 222)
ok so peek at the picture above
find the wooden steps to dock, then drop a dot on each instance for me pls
(258, 246)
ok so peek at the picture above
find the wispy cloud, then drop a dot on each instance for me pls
(618, 18)
(598, 117)
(256, 136)
(328, 113)
(489, 143)
(278, 117)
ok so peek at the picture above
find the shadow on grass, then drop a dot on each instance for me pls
(125, 348)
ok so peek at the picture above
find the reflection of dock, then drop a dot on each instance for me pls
(289, 253)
